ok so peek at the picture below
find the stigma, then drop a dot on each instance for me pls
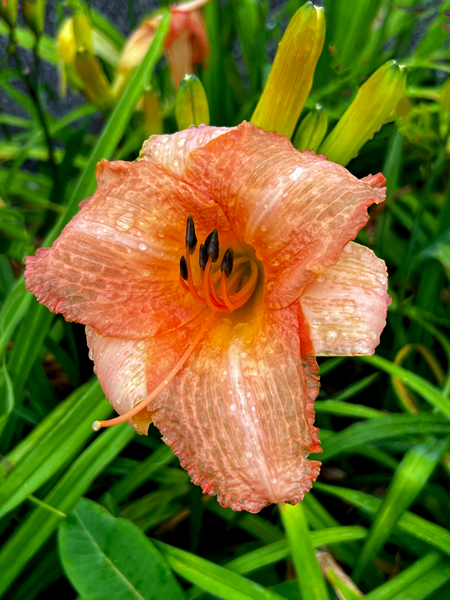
(223, 289)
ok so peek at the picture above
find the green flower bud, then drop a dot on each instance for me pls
(34, 14)
(312, 129)
(191, 106)
(374, 102)
(95, 84)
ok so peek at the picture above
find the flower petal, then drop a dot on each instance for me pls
(172, 151)
(295, 208)
(120, 368)
(116, 264)
(346, 305)
(239, 415)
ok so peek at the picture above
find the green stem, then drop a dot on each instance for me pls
(35, 97)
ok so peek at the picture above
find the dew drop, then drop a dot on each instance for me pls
(331, 336)
(263, 227)
(372, 335)
(165, 140)
(181, 142)
(248, 454)
(175, 162)
(361, 348)
(321, 279)
(161, 233)
(142, 246)
(124, 222)
(244, 355)
(233, 407)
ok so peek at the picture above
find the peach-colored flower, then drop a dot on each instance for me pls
(221, 357)
(186, 44)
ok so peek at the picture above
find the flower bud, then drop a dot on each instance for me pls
(95, 84)
(290, 79)
(312, 129)
(151, 104)
(373, 103)
(67, 45)
(82, 28)
(191, 106)
(8, 11)
(34, 14)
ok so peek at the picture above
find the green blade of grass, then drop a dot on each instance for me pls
(213, 578)
(395, 425)
(345, 409)
(434, 535)
(114, 127)
(406, 578)
(410, 477)
(55, 447)
(429, 392)
(41, 523)
(310, 579)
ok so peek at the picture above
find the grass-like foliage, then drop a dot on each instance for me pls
(112, 515)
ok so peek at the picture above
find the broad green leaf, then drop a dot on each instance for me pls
(213, 578)
(111, 559)
(309, 575)
(409, 479)
(40, 524)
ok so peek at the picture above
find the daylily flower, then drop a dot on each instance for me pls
(215, 341)
(186, 44)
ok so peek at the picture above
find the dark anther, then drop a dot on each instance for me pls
(191, 238)
(202, 256)
(212, 245)
(227, 262)
(183, 268)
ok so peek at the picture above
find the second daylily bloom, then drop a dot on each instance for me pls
(215, 341)
(186, 44)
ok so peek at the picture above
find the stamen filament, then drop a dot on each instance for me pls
(205, 286)
(97, 425)
(214, 295)
(192, 287)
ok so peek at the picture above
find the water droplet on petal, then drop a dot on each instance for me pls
(142, 246)
(233, 407)
(175, 162)
(181, 142)
(125, 221)
(263, 227)
(372, 335)
(321, 279)
(331, 336)
(248, 454)
(361, 348)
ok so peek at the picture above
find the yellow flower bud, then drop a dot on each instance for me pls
(191, 106)
(82, 28)
(95, 84)
(312, 129)
(67, 46)
(290, 79)
(34, 14)
(374, 102)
